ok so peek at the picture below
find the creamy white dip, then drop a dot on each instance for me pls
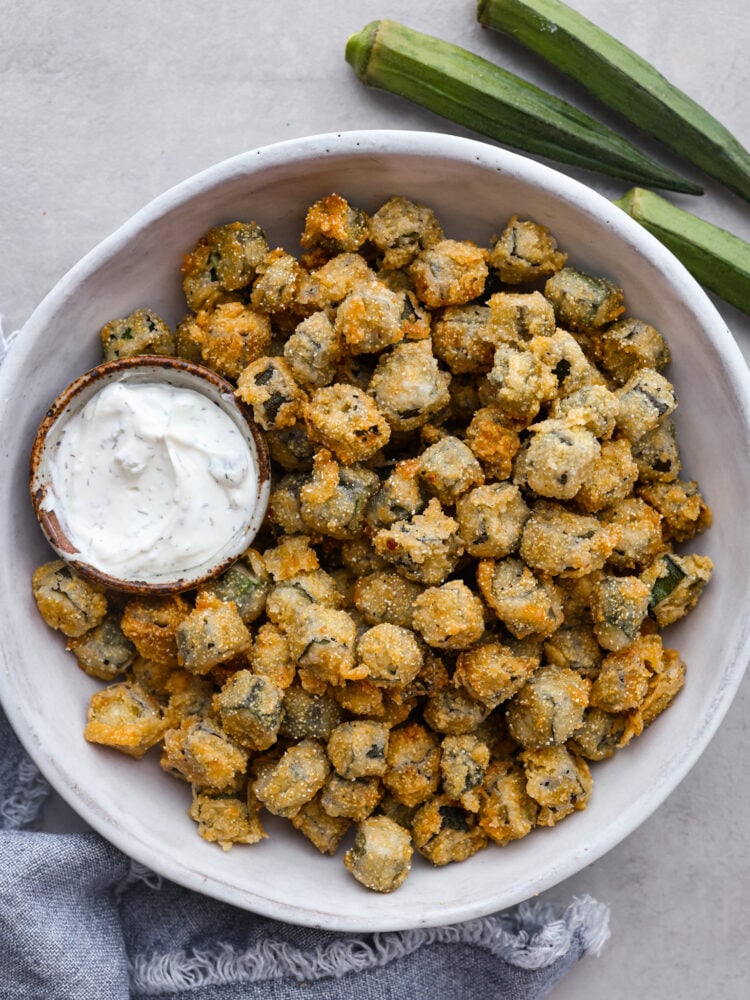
(150, 479)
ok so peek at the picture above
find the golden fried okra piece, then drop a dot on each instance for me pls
(453, 712)
(67, 601)
(309, 716)
(684, 511)
(326, 286)
(200, 752)
(645, 400)
(463, 339)
(125, 717)
(381, 855)
(212, 633)
(450, 273)
(185, 344)
(284, 503)
(270, 657)
(562, 354)
(450, 616)
(506, 811)
(104, 651)
(611, 479)
(574, 646)
(518, 384)
(346, 420)
(600, 734)
(189, 695)
(142, 332)
(517, 317)
(445, 832)
(321, 642)
(627, 345)
(463, 764)
(402, 228)
(226, 819)
(657, 454)
(524, 252)
(448, 469)
(290, 599)
(675, 583)
(230, 337)
(593, 406)
(391, 654)
(313, 351)
(663, 686)
(398, 498)
(582, 300)
(493, 672)
(623, 681)
(277, 280)
(250, 709)
(292, 556)
(245, 584)
(549, 707)
(224, 261)
(358, 749)
(334, 226)
(409, 387)
(151, 624)
(370, 318)
(322, 829)
(491, 520)
(385, 596)
(413, 759)
(290, 448)
(619, 606)
(561, 543)
(268, 386)
(426, 548)
(526, 604)
(359, 558)
(352, 798)
(493, 442)
(557, 460)
(286, 785)
(334, 500)
(641, 537)
(558, 780)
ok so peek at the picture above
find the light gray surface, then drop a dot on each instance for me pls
(105, 106)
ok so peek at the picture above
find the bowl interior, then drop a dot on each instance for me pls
(474, 189)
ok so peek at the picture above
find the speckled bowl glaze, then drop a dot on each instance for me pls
(142, 370)
(474, 188)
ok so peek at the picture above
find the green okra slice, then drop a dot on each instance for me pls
(622, 80)
(715, 257)
(473, 92)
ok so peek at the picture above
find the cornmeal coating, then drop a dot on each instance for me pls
(401, 229)
(562, 354)
(413, 759)
(641, 537)
(657, 454)
(212, 633)
(230, 337)
(450, 273)
(675, 583)
(549, 707)
(443, 831)
(142, 332)
(151, 624)
(245, 584)
(314, 350)
(558, 542)
(277, 281)
(285, 786)
(575, 646)
(334, 499)
(391, 655)
(104, 651)
(370, 318)
(290, 448)
(525, 251)
(328, 284)
(409, 387)
(612, 477)
(583, 300)
(623, 681)
(290, 599)
(627, 345)
(67, 601)
(334, 226)
(527, 604)
(324, 831)
(201, 753)
(450, 616)
(491, 520)
(322, 641)
(381, 855)
(463, 764)
(346, 420)
(250, 708)
(426, 548)
(558, 459)
(351, 798)
(493, 672)
(683, 509)
(448, 469)
(398, 498)
(593, 407)
(453, 712)
(125, 717)
(463, 339)
(386, 596)
(518, 317)
(558, 780)
(224, 261)
(493, 442)
(600, 734)
(645, 400)
(506, 810)
(268, 386)
(518, 384)
(619, 605)
(225, 819)
(307, 715)
(358, 749)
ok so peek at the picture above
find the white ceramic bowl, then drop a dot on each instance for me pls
(475, 188)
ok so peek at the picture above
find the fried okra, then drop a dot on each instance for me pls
(493, 672)
(463, 763)
(286, 785)
(463, 339)
(593, 407)
(491, 520)
(558, 542)
(448, 469)
(657, 454)
(645, 400)
(358, 749)
(224, 262)
(313, 351)
(346, 421)
(151, 624)
(370, 318)
(322, 644)
(600, 734)
(525, 251)
(582, 300)
(386, 596)
(444, 832)
(450, 273)
(142, 332)
(104, 651)
(351, 798)
(398, 498)
(250, 709)
(277, 280)
(381, 855)
(518, 385)
(226, 819)
(334, 226)
(675, 583)
(549, 707)
(409, 387)
(683, 510)
(268, 385)
(526, 604)
(334, 499)
(619, 605)
(558, 780)
(517, 317)
(426, 548)
(413, 759)
(450, 616)
(493, 442)
(200, 752)
(324, 831)
(125, 717)
(453, 711)
(506, 811)
(212, 633)
(402, 228)
(230, 337)
(67, 601)
(307, 715)
(558, 459)
(391, 654)
(640, 534)
(245, 584)
(627, 345)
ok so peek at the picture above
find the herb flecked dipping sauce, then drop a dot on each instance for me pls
(150, 478)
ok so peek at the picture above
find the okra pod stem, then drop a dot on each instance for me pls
(624, 81)
(715, 257)
(469, 90)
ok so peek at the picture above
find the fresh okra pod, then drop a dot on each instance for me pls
(473, 92)
(717, 258)
(623, 81)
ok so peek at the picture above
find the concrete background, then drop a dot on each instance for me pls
(105, 105)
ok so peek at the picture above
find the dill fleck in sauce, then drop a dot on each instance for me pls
(150, 479)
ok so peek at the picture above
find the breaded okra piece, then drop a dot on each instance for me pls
(627, 345)
(527, 605)
(619, 606)
(506, 811)
(200, 752)
(683, 509)
(313, 351)
(559, 542)
(450, 273)
(549, 707)
(151, 624)
(574, 646)
(582, 300)
(600, 734)
(611, 479)
(391, 654)
(334, 226)
(351, 798)
(322, 641)
(525, 251)
(277, 280)
(334, 500)
(453, 712)
(463, 764)
(657, 454)
(250, 708)
(385, 596)
(593, 406)
(245, 584)
(493, 672)
(463, 339)
(413, 759)
(104, 651)
(493, 442)
(449, 616)
(558, 780)
(448, 469)
(230, 336)
(426, 548)
(623, 681)
(286, 785)
(212, 633)
(346, 420)
(641, 537)
(309, 716)
(358, 749)
(409, 387)
(557, 460)
(398, 498)
(645, 400)
(142, 332)
(443, 831)
(268, 385)
(322, 829)
(67, 601)
(402, 228)
(675, 583)
(381, 855)
(125, 717)
(224, 261)
(518, 384)
(290, 448)
(370, 318)
(491, 520)
(226, 819)
(517, 317)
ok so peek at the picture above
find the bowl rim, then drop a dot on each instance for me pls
(153, 368)
(588, 202)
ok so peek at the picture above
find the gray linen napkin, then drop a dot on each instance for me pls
(81, 921)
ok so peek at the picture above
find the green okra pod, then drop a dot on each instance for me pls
(624, 81)
(473, 92)
(715, 257)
